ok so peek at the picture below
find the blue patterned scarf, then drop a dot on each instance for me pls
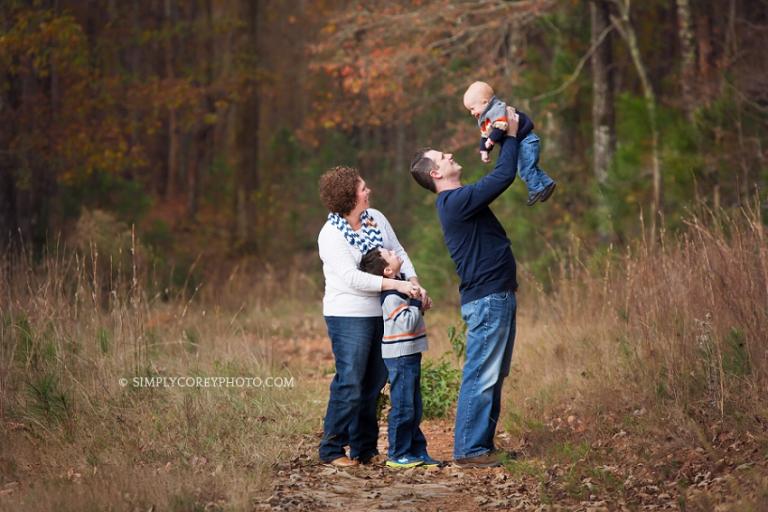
(371, 234)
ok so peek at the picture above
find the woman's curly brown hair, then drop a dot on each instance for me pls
(338, 189)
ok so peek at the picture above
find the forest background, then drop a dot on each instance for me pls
(206, 124)
(159, 212)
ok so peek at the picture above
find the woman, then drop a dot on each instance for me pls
(352, 312)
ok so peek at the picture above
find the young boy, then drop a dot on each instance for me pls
(405, 338)
(491, 115)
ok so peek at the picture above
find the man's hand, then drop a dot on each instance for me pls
(514, 119)
(488, 144)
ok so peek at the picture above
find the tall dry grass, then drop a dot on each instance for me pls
(680, 325)
(72, 438)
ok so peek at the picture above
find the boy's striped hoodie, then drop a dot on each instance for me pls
(404, 330)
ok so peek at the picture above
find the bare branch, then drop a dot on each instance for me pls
(579, 67)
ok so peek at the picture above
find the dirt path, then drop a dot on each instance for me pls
(623, 472)
(597, 466)
(305, 485)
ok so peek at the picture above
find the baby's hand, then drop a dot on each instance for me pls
(484, 157)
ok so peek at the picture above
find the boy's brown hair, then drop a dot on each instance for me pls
(373, 262)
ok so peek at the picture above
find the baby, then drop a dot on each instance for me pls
(491, 115)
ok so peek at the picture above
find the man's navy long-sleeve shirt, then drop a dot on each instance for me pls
(475, 239)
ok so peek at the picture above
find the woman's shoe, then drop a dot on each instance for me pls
(343, 462)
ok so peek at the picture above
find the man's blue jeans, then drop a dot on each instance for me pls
(528, 165)
(360, 377)
(405, 436)
(490, 339)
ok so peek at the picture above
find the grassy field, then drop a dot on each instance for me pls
(645, 366)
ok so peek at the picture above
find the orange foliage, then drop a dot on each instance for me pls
(377, 56)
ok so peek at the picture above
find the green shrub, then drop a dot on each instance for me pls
(440, 383)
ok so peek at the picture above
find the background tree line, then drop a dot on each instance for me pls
(206, 123)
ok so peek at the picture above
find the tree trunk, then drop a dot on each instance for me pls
(742, 192)
(247, 142)
(688, 56)
(603, 117)
(171, 177)
(201, 144)
(8, 221)
(8, 103)
(705, 72)
(401, 164)
(624, 26)
(133, 62)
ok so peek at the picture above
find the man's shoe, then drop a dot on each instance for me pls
(343, 462)
(408, 461)
(486, 460)
(506, 455)
(544, 194)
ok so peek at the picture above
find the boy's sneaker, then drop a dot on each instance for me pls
(429, 461)
(407, 461)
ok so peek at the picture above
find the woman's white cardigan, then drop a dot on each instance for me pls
(348, 290)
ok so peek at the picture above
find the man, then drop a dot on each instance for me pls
(481, 251)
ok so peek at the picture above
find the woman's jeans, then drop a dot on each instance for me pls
(490, 339)
(360, 376)
(405, 436)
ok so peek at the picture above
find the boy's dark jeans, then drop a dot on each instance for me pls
(360, 377)
(405, 436)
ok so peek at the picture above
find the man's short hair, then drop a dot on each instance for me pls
(420, 169)
(373, 262)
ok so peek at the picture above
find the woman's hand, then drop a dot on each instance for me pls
(423, 296)
(408, 288)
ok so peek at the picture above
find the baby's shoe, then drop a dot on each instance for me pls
(542, 195)
(547, 191)
(533, 197)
